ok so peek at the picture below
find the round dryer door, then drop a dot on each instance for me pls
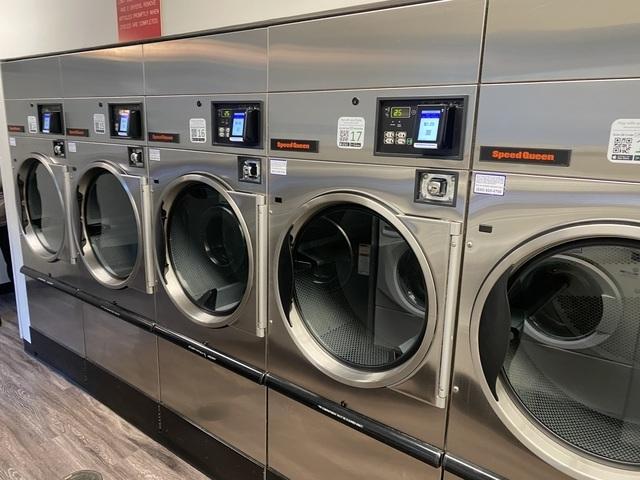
(207, 252)
(362, 292)
(43, 217)
(571, 315)
(111, 234)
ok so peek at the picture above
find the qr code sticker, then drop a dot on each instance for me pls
(350, 132)
(622, 145)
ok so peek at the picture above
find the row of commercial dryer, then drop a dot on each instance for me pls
(278, 240)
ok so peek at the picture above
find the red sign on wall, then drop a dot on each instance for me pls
(138, 19)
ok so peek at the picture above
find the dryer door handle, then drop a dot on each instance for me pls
(495, 331)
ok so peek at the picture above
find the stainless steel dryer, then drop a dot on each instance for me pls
(110, 216)
(206, 137)
(211, 260)
(364, 264)
(41, 177)
(546, 381)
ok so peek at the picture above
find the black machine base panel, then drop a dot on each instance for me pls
(68, 363)
(205, 452)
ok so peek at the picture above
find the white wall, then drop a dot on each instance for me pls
(37, 27)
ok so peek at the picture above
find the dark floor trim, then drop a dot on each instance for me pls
(271, 474)
(467, 470)
(69, 363)
(203, 451)
(407, 444)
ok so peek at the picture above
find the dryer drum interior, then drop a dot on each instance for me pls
(359, 288)
(110, 224)
(43, 212)
(572, 361)
(207, 249)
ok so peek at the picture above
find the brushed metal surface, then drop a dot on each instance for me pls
(392, 186)
(109, 72)
(171, 114)
(33, 78)
(57, 315)
(531, 206)
(225, 404)
(123, 349)
(434, 43)
(314, 116)
(225, 63)
(18, 110)
(238, 340)
(572, 39)
(79, 112)
(565, 115)
(306, 445)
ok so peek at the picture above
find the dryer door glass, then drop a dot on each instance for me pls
(573, 358)
(359, 288)
(44, 209)
(111, 224)
(207, 249)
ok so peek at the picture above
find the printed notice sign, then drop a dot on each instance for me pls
(278, 167)
(489, 184)
(350, 132)
(138, 19)
(624, 141)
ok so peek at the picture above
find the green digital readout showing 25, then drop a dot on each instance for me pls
(400, 112)
(225, 113)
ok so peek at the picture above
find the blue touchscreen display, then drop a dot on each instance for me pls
(237, 129)
(46, 122)
(429, 123)
(123, 128)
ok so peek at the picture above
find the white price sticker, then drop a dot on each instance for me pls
(154, 154)
(198, 130)
(489, 184)
(12, 141)
(99, 123)
(32, 122)
(278, 167)
(624, 141)
(350, 133)
(72, 147)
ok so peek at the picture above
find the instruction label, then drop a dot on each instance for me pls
(154, 154)
(350, 133)
(489, 184)
(624, 141)
(32, 123)
(198, 130)
(12, 141)
(99, 124)
(278, 167)
(72, 147)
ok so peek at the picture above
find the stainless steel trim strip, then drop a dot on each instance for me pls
(466, 470)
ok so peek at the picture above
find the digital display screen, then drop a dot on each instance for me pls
(237, 127)
(428, 126)
(46, 122)
(400, 112)
(123, 126)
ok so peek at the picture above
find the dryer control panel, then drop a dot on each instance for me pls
(419, 127)
(237, 124)
(50, 118)
(126, 120)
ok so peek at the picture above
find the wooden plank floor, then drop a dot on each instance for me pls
(50, 428)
